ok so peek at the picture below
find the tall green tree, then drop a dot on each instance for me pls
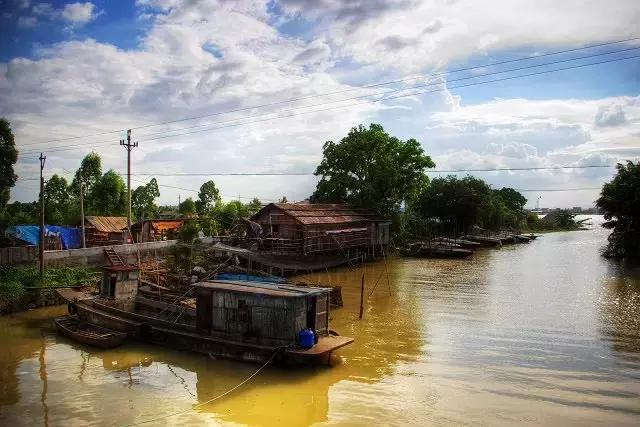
(109, 195)
(456, 204)
(371, 169)
(254, 206)
(231, 213)
(143, 200)
(8, 158)
(620, 203)
(187, 208)
(56, 201)
(208, 197)
(513, 200)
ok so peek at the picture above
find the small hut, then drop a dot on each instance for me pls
(105, 230)
(119, 282)
(151, 230)
(260, 313)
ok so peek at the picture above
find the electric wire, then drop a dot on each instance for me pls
(417, 76)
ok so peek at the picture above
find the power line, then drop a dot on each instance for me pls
(385, 83)
(558, 189)
(294, 113)
(205, 174)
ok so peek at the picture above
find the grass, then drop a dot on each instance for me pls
(15, 281)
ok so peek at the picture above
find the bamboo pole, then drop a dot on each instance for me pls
(361, 298)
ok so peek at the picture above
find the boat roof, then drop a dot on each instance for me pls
(262, 288)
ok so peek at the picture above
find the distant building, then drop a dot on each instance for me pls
(308, 228)
(105, 230)
(151, 230)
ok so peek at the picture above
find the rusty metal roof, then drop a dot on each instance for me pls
(107, 224)
(161, 224)
(324, 213)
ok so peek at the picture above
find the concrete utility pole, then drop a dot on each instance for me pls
(84, 240)
(41, 248)
(129, 146)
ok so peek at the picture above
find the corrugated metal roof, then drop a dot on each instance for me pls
(267, 289)
(107, 224)
(325, 213)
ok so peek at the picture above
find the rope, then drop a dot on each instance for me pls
(220, 396)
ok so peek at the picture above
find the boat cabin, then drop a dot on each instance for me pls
(119, 282)
(260, 312)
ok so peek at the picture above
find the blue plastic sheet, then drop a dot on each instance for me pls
(71, 237)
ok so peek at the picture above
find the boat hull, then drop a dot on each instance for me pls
(90, 334)
(185, 338)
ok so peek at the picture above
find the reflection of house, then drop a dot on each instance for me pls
(156, 229)
(316, 227)
(105, 230)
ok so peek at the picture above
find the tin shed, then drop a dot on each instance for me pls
(260, 313)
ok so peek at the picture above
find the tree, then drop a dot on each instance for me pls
(56, 201)
(187, 208)
(231, 213)
(208, 196)
(620, 202)
(371, 169)
(254, 206)
(457, 204)
(143, 198)
(513, 200)
(109, 196)
(8, 158)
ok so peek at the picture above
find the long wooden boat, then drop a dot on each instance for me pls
(87, 333)
(436, 251)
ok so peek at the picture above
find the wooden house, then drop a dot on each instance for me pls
(151, 230)
(307, 228)
(260, 313)
(105, 230)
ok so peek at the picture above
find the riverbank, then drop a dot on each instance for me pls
(21, 288)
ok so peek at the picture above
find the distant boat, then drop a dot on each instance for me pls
(89, 334)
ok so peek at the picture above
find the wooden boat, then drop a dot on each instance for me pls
(436, 250)
(242, 320)
(465, 244)
(484, 241)
(89, 334)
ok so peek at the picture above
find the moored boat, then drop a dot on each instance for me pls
(87, 333)
(249, 321)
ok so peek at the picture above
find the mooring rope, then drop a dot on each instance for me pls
(220, 396)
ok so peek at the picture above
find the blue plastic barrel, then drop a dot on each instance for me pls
(306, 338)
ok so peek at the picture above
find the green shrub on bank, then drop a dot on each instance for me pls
(55, 276)
(10, 291)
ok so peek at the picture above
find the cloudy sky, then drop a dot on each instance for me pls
(215, 87)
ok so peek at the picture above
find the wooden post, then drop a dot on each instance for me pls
(41, 246)
(84, 239)
(361, 298)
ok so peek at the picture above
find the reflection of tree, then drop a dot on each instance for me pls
(619, 306)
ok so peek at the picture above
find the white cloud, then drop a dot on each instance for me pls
(410, 35)
(204, 57)
(78, 13)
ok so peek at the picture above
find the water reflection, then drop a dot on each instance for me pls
(546, 333)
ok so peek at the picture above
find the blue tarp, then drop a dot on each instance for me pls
(71, 237)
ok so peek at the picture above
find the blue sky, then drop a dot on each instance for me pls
(74, 69)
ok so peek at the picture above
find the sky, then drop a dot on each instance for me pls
(236, 87)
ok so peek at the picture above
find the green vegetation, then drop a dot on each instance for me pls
(620, 202)
(8, 158)
(371, 169)
(560, 220)
(453, 206)
(15, 282)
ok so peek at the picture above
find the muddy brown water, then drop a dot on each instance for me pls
(546, 333)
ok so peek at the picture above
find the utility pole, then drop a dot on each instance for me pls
(84, 240)
(41, 248)
(129, 146)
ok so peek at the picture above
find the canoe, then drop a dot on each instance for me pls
(87, 333)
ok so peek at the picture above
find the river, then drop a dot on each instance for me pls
(546, 333)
